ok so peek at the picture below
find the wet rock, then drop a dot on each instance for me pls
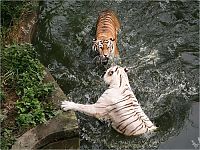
(63, 144)
(63, 126)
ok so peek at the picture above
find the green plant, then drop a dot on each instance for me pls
(24, 71)
(21, 70)
(2, 96)
(7, 140)
(11, 12)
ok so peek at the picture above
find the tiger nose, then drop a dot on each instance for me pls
(105, 55)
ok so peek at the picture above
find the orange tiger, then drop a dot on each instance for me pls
(105, 43)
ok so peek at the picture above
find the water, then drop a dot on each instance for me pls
(158, 42)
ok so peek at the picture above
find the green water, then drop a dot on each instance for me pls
(158, 42)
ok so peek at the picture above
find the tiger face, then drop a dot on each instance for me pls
(105, 48)
(116, 76)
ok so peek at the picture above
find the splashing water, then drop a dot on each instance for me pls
(158, 42)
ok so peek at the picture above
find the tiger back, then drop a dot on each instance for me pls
(107, 29)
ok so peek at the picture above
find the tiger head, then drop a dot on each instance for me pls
(116, 76)
(105, 48)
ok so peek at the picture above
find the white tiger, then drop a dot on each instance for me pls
(117, 103)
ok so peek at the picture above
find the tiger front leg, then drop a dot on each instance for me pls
(92, 109)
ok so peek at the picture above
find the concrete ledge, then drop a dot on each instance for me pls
(61, 127)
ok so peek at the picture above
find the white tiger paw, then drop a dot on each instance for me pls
(66, 105)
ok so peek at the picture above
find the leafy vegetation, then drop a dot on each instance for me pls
(21, 76)
(2, 96)
(22, 71)
(11, 12)
(6, 138)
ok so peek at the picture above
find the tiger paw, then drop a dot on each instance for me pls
(66, 105)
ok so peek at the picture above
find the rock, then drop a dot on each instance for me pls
(63, 126)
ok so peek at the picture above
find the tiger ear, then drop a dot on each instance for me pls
(126, 69)
(112, 39)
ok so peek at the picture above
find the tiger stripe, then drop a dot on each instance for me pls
(124, 114)
(123, 107)
(135, 130)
